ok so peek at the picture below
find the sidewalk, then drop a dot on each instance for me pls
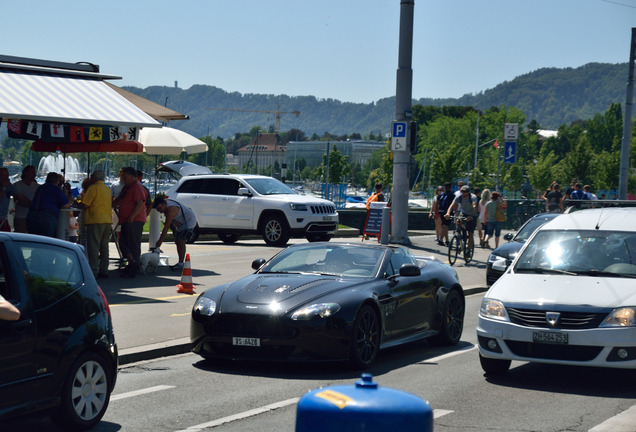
(472, 278)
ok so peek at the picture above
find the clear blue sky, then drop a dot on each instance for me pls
(340, 49)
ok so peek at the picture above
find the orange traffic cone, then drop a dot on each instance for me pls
(186, 285)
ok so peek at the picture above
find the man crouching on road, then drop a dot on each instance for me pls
(182, 220)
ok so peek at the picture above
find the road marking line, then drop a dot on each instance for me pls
(623, 422)
(241, 416)
(150, 300)
(450, 354)
(181, 314)
(440, 413)
(140, 392)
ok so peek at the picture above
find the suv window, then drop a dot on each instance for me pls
(220, 186)
(52, 273)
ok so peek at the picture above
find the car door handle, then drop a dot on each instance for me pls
(22, 325)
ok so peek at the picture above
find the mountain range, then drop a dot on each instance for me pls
(551, 96)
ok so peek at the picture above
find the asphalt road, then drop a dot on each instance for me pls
(187, 393)
(152, 320)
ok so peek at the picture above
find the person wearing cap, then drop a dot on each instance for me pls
(182, 220)
(466, 205)
(97, 201)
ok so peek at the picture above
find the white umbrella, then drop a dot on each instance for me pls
(169, 141)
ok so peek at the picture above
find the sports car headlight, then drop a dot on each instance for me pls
(322, 310)
(298, 207)
(622, 317)
(205, 306)
(495, 309)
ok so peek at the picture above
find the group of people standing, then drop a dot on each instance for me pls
(131, 204)
(125, 205)
(554, 198)
(481, 210)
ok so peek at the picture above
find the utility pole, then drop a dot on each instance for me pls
(627, 122)
(401, 159)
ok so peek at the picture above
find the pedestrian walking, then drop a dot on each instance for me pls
(493, 224)
(434, 214)
(481, 221)
(445, 201)
(7, 190)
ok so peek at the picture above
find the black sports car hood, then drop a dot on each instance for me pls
(287, 291)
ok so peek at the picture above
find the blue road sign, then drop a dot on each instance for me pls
(398, 137)
(510, 152)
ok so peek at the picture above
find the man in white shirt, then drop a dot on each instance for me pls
(25, 189)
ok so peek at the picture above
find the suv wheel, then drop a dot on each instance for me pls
(85, 394)
(275, 231)
(228, 238)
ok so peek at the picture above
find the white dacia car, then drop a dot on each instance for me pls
(230, 205)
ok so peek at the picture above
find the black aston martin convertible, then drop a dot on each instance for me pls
(330, 301)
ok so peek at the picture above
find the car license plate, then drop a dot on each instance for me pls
(550, 337)
(326, 218)
(242, 341)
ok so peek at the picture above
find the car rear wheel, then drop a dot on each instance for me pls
(365, 338)
(452, 324)
(494, 366)
(85, 394)
(228, 238)
(275, 231)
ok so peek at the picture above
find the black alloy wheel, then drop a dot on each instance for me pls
(365, 338)
(452, 324)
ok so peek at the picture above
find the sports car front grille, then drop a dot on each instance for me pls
(323, 209)
(250, 326)
(567, 320)
(579, 353)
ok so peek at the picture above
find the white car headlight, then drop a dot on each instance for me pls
(322, 310)
(621, 317)
(494, 309)
(298, 207)
(205, 306)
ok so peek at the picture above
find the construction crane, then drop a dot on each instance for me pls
(278, 113)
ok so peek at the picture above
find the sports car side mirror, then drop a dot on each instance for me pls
(409, 270)
(258, 263)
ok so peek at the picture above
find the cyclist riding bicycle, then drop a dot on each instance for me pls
(466, 205)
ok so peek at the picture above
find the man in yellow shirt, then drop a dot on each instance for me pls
(97, 201)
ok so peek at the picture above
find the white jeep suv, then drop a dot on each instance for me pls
(233, 204)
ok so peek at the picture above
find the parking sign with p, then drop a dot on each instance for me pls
(399, 136)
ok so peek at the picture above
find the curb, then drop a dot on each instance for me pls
(153, 351)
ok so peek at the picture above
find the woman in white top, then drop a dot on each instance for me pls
(485, 197)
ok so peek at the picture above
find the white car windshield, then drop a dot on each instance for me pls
(269, 186)
(580, 252)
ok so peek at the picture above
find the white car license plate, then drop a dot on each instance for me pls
(242, 341)
(550, 337)
(326, 218)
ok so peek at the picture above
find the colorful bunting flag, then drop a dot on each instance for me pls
(77, 134)
(95, 134)
(132, 134)
(56, 130)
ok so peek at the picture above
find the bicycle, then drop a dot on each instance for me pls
(459, 242)
(523, 212)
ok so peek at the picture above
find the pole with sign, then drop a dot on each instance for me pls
(511, 135)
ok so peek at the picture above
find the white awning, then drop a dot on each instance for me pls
(65, 98)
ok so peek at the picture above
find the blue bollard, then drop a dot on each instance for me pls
(364, 407)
